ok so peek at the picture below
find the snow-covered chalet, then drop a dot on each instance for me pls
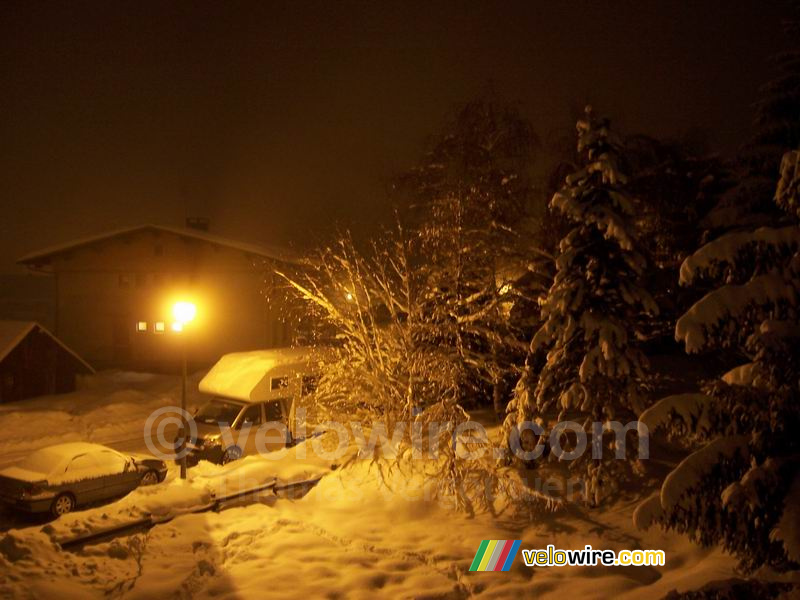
(114, 294)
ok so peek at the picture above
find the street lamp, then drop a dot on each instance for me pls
(183, 313)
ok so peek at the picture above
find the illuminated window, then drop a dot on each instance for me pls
(160, 327)
(177, 327)
(141, 326)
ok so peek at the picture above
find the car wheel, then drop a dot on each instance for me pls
(149, 478)
(231, 454)
(63, 504)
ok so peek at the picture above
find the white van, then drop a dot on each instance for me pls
(246, 391)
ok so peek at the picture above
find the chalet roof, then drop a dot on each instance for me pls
(13, 332)
(272, 252)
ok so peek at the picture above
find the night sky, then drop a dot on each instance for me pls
(280, 120)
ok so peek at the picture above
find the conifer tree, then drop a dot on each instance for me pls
(740, 486)
(585, 365)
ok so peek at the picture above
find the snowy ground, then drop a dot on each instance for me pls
(350, 536)
(110, 408)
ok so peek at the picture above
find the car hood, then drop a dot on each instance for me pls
(208, 432)
(23, 474)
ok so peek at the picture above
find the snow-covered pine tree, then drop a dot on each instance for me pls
(592, 369)
(741, 486)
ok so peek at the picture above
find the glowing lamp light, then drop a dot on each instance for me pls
(349, 296)
(183, 313)
(177, 327)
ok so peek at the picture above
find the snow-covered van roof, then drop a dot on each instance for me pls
(43, 256)
(246, 375)
(13, 332)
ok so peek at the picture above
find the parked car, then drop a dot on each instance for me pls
(247, 390)
(59, 478)
(240, 416)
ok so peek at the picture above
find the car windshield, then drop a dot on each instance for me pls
(41, 461)
(218, 411)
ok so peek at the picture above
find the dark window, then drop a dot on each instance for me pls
(279, 383)
(158, 250)
(124, 280)
(251, 416)
(141, 280)
(273, 411)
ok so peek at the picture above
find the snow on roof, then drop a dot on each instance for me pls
(50, 460)
(70, 449)
(243, 375)
(13, 332)
(273, 252)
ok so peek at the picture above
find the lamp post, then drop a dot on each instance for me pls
(183, 313)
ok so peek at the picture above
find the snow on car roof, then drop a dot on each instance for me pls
(238, 375)
(50, 459)
(72, 448)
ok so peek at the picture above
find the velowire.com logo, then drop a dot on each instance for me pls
(495, 555)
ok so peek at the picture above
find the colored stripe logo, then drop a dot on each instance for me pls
(495, 555)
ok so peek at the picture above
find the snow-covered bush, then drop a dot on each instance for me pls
(391, 371)
(741, 487)
(585, 365)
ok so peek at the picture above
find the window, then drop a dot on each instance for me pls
(82, 461)
(158, 250)
(251, 416)
(218, 411)
(141, 326)
(309, 384)
(124, 280)
(141, 279)
(160, 327)
(273, 411)
(279, 383)
(109, 463)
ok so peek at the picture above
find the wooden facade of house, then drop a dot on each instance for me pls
(114, 294)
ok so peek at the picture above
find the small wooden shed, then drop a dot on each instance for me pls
(33, 362)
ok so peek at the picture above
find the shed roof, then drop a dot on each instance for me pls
(13, 332)
(272, 252)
